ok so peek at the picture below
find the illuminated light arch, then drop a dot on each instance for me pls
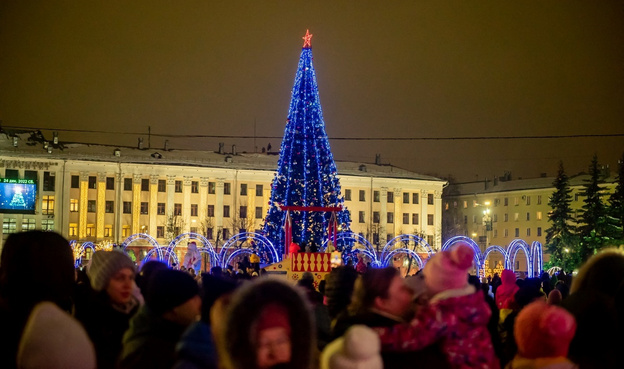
(388, 257)
(553, 270)
(516, 246)
(167, 256)
(537, 255)
(207, 249)
(80, 251)
(405, 239)
(143, 236)
(488, 251)
(478, 258)
(262, 242)
(348, 236)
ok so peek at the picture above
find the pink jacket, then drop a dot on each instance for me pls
(506, 291)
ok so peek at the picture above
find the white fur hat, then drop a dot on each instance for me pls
(359, 348)
(53, 339)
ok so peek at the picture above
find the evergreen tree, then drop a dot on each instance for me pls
(306, 173)
(596, 228)
(616, 200)
(561, 235)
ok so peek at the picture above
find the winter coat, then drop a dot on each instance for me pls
(460, 319)
(506, 291)
(150, 341)
(196, 348)
(236, 343)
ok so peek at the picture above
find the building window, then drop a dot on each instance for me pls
(362, 195)
(505, 217)
(91, 206)
(162, 185)
(177, 209)
(127, 184)
(178, 186)
(75, 182)
(92, 183)
(109, 207)
(127, 207)
(406, 197)
(211, 187)
(516, 216)
(227, 188)
(376, 196)
(465, 204)
(226, 211)
(90, 230)
(465, 219)
(516, 202)
(144, 208)
(430, 219)
(405, 218)
(160, 232)
(430, 199)
(390, 197)
(73, 229)
(243, 189)
(125, 231)
(193, 210)
(110, 183)
(362, 217)
(210, 211)
(539, 199)
(495, 233)
(528, 232)
(414, 218)
(539, 231)
(375, 217)
(28, 224)
(108, 231)
(160, 208)
(474, 219)
(194, 187)
(495, 218)
(49, 181)
(474, 203)
(145, 184)
(73, 205)
(209, 233)
(415, 198)
(193, 229)
(259, 190)
(496, 202)
(390, 217)
(517, 232)
(47, 205)
(506, 233)
(528, 216)
(258, 212)
(528, 200)
(243, 212)
(347, 195)
(47, 224)
(506, 201)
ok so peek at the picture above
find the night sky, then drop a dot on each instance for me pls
(444, 71)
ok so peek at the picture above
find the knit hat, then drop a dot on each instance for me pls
(506, 291)
(168, 289)
(273, 316)
(147, 270)
(54, 339)
(104, 265)
(448, 270)
(542, 330)
(359, 348)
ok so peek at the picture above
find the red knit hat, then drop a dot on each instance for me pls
(447, 270)
(273, 315)
(542, 330)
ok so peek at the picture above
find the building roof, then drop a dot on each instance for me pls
(30, 145)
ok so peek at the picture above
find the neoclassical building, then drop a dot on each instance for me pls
(104, 194)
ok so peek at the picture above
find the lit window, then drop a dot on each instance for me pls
(47, 206)
(73, 205)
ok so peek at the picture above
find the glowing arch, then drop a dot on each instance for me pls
(516, 246)
(167, 256)
(263, 245)
(80, 250)
(207, 249)
(143, 236)
(537, 255)
(348, 236)
(478, 257)
(388, 257)
(405, 239)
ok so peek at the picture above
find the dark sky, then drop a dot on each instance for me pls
(412, 69)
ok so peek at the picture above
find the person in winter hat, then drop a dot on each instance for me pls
(506, 291)
(53, 339)
(456, 313)
(543, 333)
(172, 303)
(359, 348)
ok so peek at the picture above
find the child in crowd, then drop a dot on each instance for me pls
(457, 314)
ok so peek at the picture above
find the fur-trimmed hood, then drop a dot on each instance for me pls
(237, 350)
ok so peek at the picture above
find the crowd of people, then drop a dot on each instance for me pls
(113, 314)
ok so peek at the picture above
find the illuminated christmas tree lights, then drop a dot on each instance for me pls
(306, 174)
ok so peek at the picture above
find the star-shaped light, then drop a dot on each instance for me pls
(307, 39)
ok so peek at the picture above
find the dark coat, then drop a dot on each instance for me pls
(196, 348)
(247, 304)
(150, 341)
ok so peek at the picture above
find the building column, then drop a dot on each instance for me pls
(398, 212)
(423, 215)
(383, 216)
(136, 203)
(219, 206)
(82, 205)
(170, 193)
(117, 231)
(437, 219)
(153, 204)
(101, 206)
(186, 204)
(202, 210)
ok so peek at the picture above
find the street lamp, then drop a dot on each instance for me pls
(487, 222)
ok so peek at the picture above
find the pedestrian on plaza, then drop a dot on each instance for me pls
(268, 323)
(35, 266)
(106, 311)
(338, 291)
(172, 303)
(592, 301)
(358, 348)
(456, 314)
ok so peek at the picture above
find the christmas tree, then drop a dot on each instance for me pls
(306, 174)
(18, 199)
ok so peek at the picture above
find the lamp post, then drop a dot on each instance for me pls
(487, 222)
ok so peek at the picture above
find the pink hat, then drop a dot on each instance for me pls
(542, 330)
(448, 270)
